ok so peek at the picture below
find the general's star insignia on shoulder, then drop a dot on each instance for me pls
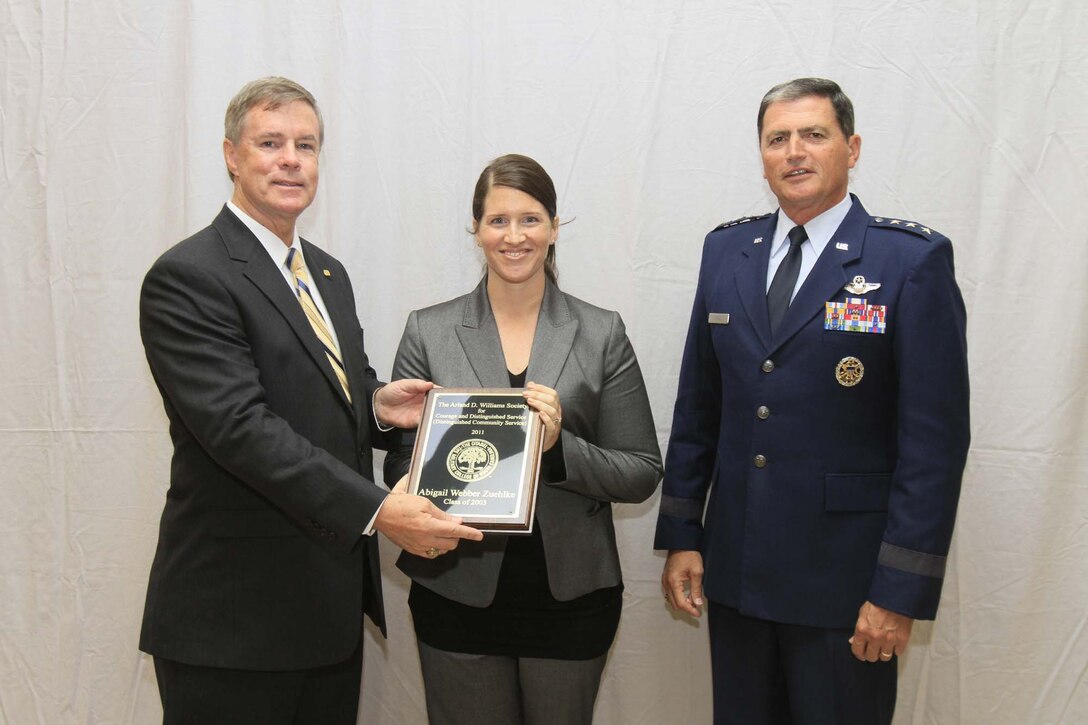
(742, 220)
(919, 229)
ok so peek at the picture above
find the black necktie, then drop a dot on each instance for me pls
(785, 279)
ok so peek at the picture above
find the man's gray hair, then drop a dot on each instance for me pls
(804, 87)
(270, 93)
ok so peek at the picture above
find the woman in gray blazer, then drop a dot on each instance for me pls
(516, 629)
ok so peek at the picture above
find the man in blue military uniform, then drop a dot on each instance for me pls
(823, 408)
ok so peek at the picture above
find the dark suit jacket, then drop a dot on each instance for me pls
(260, 563)
(823, 495)
(610, 450)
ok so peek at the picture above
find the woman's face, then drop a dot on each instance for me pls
(515, 232)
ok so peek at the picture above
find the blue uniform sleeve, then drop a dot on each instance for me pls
(692, 453)
(933, 436)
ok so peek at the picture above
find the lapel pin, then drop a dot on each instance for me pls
(842, 246)
(326, 272)
(757, 240)
(859, 286)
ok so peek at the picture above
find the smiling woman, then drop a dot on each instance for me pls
(516, 626)
(516, 234)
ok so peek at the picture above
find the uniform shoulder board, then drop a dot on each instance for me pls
(742, 220)
(914, 227)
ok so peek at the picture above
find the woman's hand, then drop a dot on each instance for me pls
(545, 402)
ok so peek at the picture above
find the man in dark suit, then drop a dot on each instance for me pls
(265, 563)
(823, 405)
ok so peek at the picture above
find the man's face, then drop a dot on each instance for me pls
(806, 156)
(275, 164)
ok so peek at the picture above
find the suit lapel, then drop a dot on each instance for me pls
(553, 339)
(259, 269)
(828, 276)
(479, 337)
(750, 277)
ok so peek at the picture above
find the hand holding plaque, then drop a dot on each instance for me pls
(477, 456)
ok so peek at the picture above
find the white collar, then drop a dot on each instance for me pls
(819, 229)
(268, 239)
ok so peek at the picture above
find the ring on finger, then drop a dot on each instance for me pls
(432, 552)
(886, 655)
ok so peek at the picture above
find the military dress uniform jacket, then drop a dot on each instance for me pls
(832, 458)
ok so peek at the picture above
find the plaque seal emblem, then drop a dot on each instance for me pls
(472, 460)
(849, 372)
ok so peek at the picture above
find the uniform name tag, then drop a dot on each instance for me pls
(718, 318)
(855, 315)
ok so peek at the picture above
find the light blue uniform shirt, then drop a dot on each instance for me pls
(819, 230)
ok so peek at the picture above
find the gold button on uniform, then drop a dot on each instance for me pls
(760, 460)
(767, 366)
(763, 412)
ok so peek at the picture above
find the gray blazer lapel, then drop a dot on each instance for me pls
(554, 337)
(479, 338)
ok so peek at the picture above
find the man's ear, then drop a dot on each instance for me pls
(229, 157)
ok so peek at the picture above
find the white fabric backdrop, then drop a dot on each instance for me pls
(973, 115)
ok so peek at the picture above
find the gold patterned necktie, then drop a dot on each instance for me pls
(321, 329)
